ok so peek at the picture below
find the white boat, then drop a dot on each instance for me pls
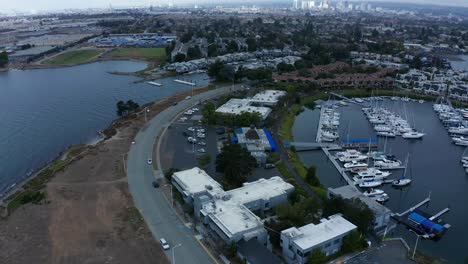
(373, 192)
(413, 135)
(155, 83)
(359, 100)
(351, 158)
(370, 184)
(373, 172)
(386, 134)
(331, 135)
(460, 141)
(401, 182)
(382, 198)
(348, 152)
(387, 164)
(383, 128)
(421, 101)
(355, 164)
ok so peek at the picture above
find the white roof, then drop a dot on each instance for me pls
(263, 189)
(237, 106)
(311, 235)
(268, 96)
(196, 180)
(232, 218)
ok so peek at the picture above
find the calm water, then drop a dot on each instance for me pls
(44, 111)
(461, 64)
(434, 167)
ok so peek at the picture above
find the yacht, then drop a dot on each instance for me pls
(401, 182)
(461, 141)
(382, 198)
(351, 158)
(413, 135)
(373, 192)
(370, 184)
(347, 153)
(373, 172)
(386, 134)
(329, 134)
(383, 128)
(387, 164)
(355, 164)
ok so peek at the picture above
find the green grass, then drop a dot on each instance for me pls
(284, 171)
(138, 53)
(73, 57)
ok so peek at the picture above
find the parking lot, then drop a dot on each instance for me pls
(178, 152)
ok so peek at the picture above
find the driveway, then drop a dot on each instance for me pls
(157, 212)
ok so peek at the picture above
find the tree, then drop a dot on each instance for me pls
(3, 59)
(179, 57)
(236, 163)
(311, 176)
(284, 67)
(204, 159)
(232, 46)
(354, 210)
(354, 241)
(221, 72)
(209, 114)
(169, 173)
(317, 257)
(194, 53)
(125, 108)
(252, 44)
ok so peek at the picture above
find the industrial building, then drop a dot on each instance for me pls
(298, 243)
(133, 40)
(381, 213)
(256, 104)
(256, 141)
(230, 213)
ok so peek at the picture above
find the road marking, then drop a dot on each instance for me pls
(206, 249)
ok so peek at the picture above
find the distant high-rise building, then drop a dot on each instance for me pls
(295, 4)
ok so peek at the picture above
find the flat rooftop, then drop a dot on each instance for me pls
(232, 218)
(237, 106)
(196, 180)
(268, 96)
(312, 235)
(349, 192)
(261, 189)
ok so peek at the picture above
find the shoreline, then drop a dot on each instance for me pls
(102, 136)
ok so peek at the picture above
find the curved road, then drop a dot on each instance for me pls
(155, 209)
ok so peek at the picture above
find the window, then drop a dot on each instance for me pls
(327, 245)
(299, 253)
(336, 241)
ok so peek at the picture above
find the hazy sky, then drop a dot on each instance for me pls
(7, 6)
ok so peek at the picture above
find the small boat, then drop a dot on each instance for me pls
(373, 192)
(386, 134)
(373, 172)
(401, 182)
(370, 184)
(382, 198)
(352, 158)
(413, 135)
(387, 164)
(355, 164)
(155, 83)
(421, 101)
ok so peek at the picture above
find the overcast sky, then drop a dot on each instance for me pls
(7, 6)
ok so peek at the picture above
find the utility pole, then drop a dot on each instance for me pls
(173, 256)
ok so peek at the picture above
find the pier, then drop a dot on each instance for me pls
(306, 146)
(184, 82)
(318, 137)
(341, 170)
(425, 201)
(346, 99)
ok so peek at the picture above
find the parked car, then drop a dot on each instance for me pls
(269, 166)
(202, 143)
(201, 150)
(195, 109)
(164, 244)
(201, 135)
(155, 184)
(174, 103)
(188, 97)
(191, 129)
(192, 140)
(220, 130)
(201, 130)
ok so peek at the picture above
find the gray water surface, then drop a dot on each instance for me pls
(44, 111)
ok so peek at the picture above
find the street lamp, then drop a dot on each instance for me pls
(173, 256)
(417, 240)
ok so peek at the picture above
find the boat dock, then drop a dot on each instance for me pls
(155, 83)
(340, 169)
(318, 137)
(425, 201)
(347, 99)
(184, 82)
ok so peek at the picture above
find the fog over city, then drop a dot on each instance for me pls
(33, 5)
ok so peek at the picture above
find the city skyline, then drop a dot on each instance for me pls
(50, 5)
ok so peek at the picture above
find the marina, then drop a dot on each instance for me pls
(423, 173)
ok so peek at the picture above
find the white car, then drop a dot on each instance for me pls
(191, 129)
(188, 97)
(195, 109)
(192, 140)
(201, 135)
(150, 161)
(201, 150)
(201, 130)
(164, 244)
(202, 143)
(188, 112)
(183, 119)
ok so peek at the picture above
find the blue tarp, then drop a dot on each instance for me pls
(234, 140)
(270, 140)
(417, 218)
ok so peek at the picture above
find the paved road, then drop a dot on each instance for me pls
(157, 212)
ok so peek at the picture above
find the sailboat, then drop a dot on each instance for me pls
(402, 181)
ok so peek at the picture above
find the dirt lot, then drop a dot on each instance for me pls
(88, 216)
